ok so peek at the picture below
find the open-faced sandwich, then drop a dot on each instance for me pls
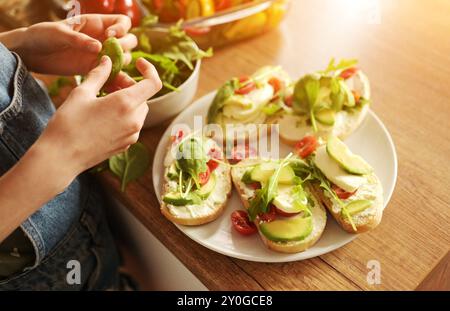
(278, 204)
(196, 186)
(346, 184)
(246, 100)
(329, 102)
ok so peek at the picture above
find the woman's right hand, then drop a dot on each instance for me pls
(87, 129)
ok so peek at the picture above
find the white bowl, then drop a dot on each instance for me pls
(170, 104)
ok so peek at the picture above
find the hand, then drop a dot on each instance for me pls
(86, 129)
(63, 48)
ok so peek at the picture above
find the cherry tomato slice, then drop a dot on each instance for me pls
(241, 223)
(176, 138)
(247, 86)
(348, 73)
(269, 216)
(276, 83)
(341, 193)
(289, 100)
(204, 177)
(254, 185)
(240, 152)
(306, 146)
(214, 154)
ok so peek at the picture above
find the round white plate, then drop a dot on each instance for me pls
(372, 141)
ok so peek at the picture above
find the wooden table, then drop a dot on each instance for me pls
(404, 46)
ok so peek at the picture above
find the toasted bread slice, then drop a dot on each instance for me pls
(365, 220)
(293, 127)
(319, 215)
(210, 208)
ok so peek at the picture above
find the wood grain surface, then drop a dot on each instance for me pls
(404, 47)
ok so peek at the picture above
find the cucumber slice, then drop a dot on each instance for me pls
(207, 188)
(325, 116)
(263, 171)
(350, 162)
(358, 206)
(291, 229)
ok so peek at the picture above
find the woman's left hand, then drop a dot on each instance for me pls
(71, 48)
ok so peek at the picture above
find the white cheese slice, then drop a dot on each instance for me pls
(331, 169)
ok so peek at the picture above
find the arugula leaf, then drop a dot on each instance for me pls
(247, 177)
(325, 184)
(192, 158)
(221, 96)
(131, 164)
(342, 65)
(264, 196)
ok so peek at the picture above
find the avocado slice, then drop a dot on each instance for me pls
(290, 229)
(325, 116)
(176, 199)
(350, 162)
(207, 188)
(265, 170)
(357, 206)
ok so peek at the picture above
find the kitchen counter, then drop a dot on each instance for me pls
(404, 47)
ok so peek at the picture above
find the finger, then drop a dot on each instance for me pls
(121, 81)
(81, 41)
(146, 88)
(98, 76)
(118, 25)
(128, 42)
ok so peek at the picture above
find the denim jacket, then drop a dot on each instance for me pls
(24, 112)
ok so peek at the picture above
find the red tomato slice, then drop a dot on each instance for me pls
(341, 193)
(221, 5)
(283, 213)
(204, 177)
(247, 86)
(177, 137)
(306, 146)
(240, 152)
(214, 154)
(276, 83)
(254, 185)
(289, 100)
(269, 216)
(348, 73)
(241, 223)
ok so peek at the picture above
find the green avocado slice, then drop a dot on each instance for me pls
(290, 229)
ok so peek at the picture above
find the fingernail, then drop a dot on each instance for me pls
(93, 47)
(104, 59)
(111, 33)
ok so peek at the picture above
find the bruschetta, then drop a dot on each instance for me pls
(197, 183)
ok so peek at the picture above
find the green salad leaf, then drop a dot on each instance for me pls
(192, 158)
(131, 164)
(342, 65)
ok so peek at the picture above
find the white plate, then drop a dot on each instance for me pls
(372, 141)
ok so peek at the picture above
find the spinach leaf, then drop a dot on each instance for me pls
(222, 95)
(130, 164)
